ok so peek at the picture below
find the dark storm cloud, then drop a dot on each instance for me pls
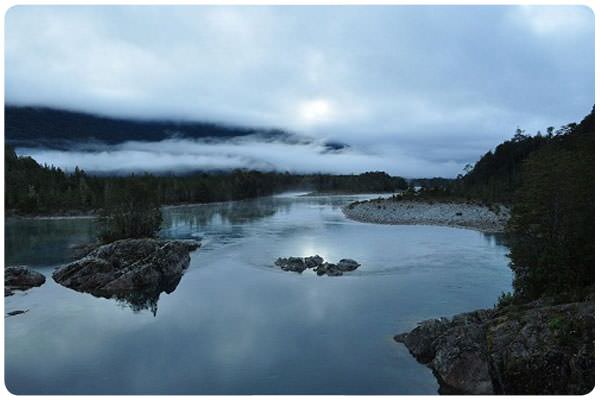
(425, 89)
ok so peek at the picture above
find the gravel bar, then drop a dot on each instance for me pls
(457, 215)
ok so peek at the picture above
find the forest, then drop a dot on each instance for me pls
(48, 126)
(33, 189)
(552, 222)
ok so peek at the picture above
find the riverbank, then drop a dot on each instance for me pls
(342, 193)
(71, 214)
(452, 214)
(536, 348)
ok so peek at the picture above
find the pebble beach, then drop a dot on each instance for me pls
(458, 215)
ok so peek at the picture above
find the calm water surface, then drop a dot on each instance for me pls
(238, 325)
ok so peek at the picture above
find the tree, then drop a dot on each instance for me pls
(132, 210)
(552, 222)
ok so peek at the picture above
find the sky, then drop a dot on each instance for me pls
(413, 90)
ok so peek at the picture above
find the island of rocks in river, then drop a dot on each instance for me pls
(133, 270)
(21, 278)
(535, 348)
(454, 214)
(317, 264)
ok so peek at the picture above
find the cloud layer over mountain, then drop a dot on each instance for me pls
(416, 90)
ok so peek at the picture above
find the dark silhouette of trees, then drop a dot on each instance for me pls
(552, 223)
(131, 210)
(35, 189)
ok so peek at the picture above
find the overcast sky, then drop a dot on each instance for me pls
(418, 91)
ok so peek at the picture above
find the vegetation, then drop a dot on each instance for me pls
(552, 222)
(131, 210)
(31, 188)
(368, 182)
(40, 125)
(498, 174)
(35, 189)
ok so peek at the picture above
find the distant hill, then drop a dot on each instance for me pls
(40, 126)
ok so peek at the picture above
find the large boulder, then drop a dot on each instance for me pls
(530, 349)
(347, 265)
(21, 278)
(134, 270)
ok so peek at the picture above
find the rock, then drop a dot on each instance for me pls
(395, 210)
(21, 278)
(313, 261)
(534, 349)
(346, 265)
(81, 250)
(328, 269)
(133, 270)
(317, 264)
(16, 312)
(295, 264)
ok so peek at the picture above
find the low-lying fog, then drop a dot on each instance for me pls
(181, 155)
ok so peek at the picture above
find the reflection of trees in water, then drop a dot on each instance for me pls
(45, 241)
(498, 239)
(230, 213)
(147, 299)
(140, 302)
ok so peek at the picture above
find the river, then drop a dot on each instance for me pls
(238, 325)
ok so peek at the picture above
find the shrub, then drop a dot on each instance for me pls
(506, 299)
(132, 211)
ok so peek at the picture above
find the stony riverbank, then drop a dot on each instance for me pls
(535, 348)
(458, 215)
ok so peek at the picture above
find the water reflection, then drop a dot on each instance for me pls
(141, 300)
(44, 241)
(230, 213)
(237, 325)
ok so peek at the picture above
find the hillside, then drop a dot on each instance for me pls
(31, 126)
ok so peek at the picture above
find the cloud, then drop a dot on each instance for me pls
(454, 81)
(183, 155)
(558, 21)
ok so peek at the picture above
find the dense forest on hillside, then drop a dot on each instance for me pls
(40, 125)
(552, 223)
(35, 189)
(499, 173)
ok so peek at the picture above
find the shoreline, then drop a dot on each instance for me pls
(514, 349)
(326, 194)
(405, 212)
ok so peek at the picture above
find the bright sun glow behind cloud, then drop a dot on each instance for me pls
(316, 111)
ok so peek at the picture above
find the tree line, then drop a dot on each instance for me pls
(552, 223)
(31, 188)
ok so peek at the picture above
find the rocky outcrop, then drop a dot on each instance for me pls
(134, 270)
(537, 348)
(21, 278)
(82, 249)
(317, 264)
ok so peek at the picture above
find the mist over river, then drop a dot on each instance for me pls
(236, 324)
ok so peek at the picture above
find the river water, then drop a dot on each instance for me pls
(238, 325)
